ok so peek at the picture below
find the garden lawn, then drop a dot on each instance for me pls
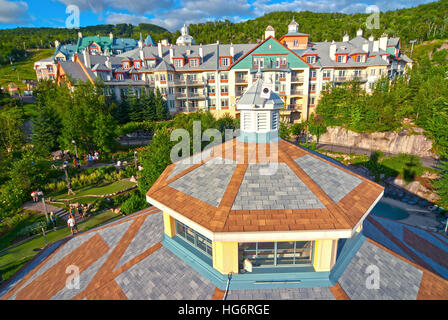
(100, 190)
(14, 258)
(24, 69)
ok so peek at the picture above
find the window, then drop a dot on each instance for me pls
(313, 73)
(135, 77)
(276, 254)
(372, 72)
(275, 121)
(341, 58)
(212, 103)
(224, 76)
(225, 62)
(258, 62)
(224, 89)
(170, 77)
(211, 90)
(171, 90)
(342, 73)
(194, 238)
(261, 121)
(326, 74)
(211, 76)
(310, 59)
(120, 76)
(194, 62)
(312, 101)
(137, 64)
(224, 102)
(296, 43)
(126, 65)
(313, 87)
(162, 77)
(178, 63)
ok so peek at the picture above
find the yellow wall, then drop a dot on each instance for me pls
(170, 228)
(225, 256)
(324, 257)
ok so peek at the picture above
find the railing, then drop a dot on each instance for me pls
(241, 80)
(179, 82)
(297, 92)
(271, 65)
(292, 106)
(196, 95)
(350, 78)
(297, 79)
(197, 81)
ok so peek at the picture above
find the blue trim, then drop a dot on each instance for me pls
(276, 278)
(345, 256)
(267, 137)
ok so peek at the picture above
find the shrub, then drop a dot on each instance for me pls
(134, 203)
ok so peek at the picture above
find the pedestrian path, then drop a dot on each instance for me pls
(38, 206)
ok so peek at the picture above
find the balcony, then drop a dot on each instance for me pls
(196, 95)
(293, 107)
(198, 82)
(241, 80)
(297, 79)
(361, 78)
(180, 82)
(296, 92)
(271, 66)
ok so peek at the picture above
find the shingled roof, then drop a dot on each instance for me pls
(226, 191)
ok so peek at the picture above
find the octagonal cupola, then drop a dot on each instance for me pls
(259, 107)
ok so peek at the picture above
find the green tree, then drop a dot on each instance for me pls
(441, 184)
(161, 107)
(104, 132)
(46, 130)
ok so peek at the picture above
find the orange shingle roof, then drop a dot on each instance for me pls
(344, 214)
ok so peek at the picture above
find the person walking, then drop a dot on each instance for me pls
(34, 196)
(53, 219)
(71, 223)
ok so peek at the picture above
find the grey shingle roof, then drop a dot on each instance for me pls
(252, 96)
(73, 70)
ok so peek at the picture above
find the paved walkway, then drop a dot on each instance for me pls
(39, 207)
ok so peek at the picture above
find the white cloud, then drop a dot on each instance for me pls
(133, 6)
(14, 12)
(117, 18)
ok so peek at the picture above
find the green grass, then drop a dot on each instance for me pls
(14, 258)
(24, 69)
(100, 190)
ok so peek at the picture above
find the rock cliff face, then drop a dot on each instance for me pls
(387, 142)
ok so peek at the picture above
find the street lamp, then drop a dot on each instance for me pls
(69, 184)
(76, 148)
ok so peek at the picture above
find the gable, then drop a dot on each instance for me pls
(270, 49)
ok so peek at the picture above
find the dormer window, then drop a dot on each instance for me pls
(311, 59)
(137, 65)
(179, 62)
(126, 65)
(225, 61)
(341, 58)
(194, 62)
(258, 62)
(280, 62)
(296, 43)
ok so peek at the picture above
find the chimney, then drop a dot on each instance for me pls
(201, 51)
(159, 50)
(346, 38)
(383, 42)
(232, 50)
(376, 46)
(372, 38)
(142, 54)
(365, 47)
(332, 50)
(359, 32)
(165, 42)
(108, 63)
(56, 44)
(111, 36)
(79, 34)
(171, 54)
(86, 56)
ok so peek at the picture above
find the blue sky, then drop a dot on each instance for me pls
(171, 14)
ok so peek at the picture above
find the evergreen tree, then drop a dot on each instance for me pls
(150, 113)
(135, 106)
(104, 132)
(161, 107)
(46, 130)
(123, 109)
(442, 183)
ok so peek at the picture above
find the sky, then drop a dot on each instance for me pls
(170, 14)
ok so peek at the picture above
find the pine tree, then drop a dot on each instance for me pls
(135, 107)
(161, 107)
(150, 113)
(122, 112)
(46, 130)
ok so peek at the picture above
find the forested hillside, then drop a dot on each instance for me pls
(425, 22)
(14, 41)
